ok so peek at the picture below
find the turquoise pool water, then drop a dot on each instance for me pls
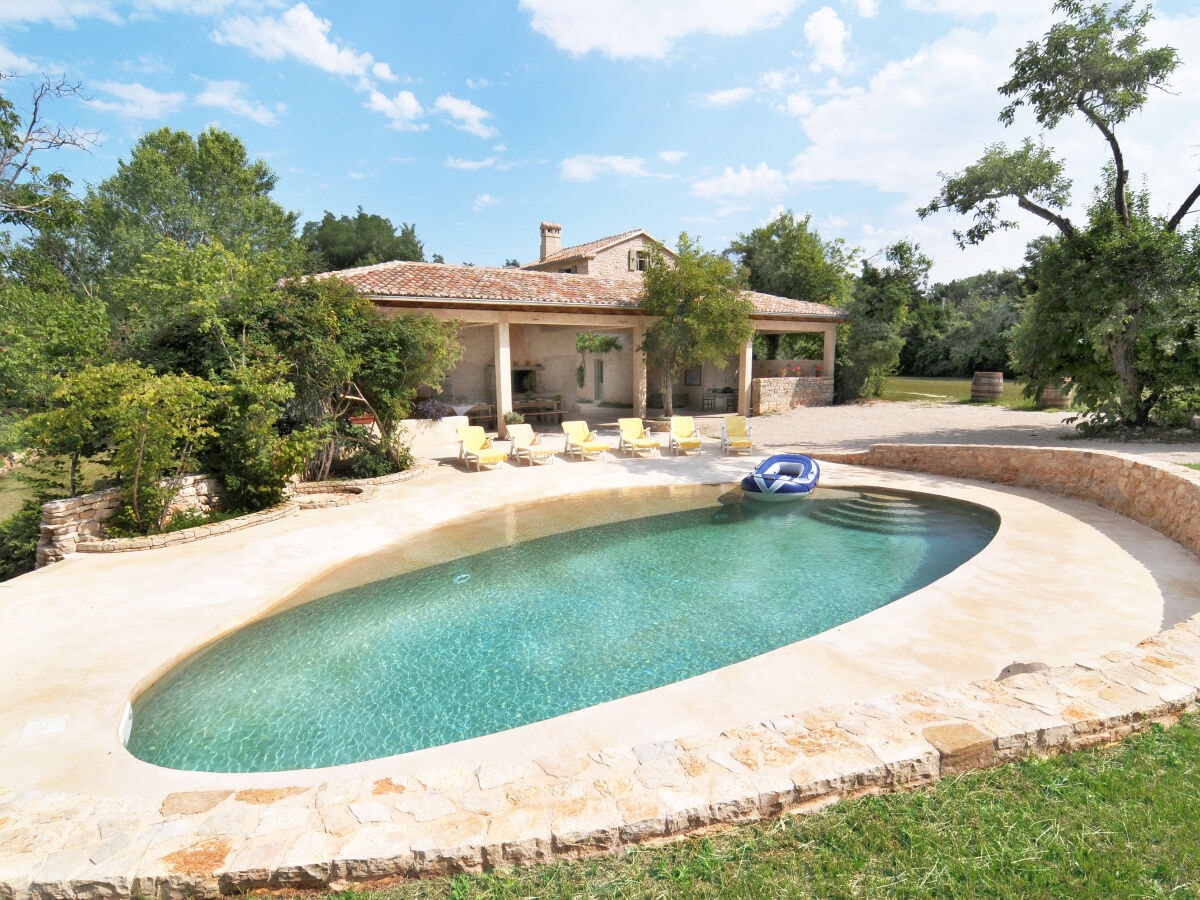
(533, 629)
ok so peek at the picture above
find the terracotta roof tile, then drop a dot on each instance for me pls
(483, 284)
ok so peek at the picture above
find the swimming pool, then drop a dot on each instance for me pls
(517, 617)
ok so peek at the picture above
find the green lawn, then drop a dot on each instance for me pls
(1119, 822)
(14, 490)
(950, 390)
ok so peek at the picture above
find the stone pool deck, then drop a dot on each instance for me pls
(893, 700)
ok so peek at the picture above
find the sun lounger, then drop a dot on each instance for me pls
(684, 438)
(735, 435)
(635, 439)
(581, 441)
(524, 444)
(474, 446)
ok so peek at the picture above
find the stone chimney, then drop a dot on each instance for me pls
(551, 239)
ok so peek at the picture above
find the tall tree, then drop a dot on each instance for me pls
(702, 316)
(28, 194)
(788, 258)
(1092, 63)
(194, 191)
(883, 295)
(363, 240)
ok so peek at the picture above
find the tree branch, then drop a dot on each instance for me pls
(1183, 209)
(1063, 223)
(1120, 201)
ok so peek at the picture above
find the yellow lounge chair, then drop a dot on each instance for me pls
(524, 444)
(581, 441)
(735, 434)
(476, 447)
(635, 439)
(684, 437)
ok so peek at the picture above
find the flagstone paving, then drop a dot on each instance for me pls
(897, 699)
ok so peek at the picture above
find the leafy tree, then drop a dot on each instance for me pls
(365, 239)
(194, 308)
(250, 452)
(701, 313)
(963, 326)
(156, 424)
(161, 424)
(45, 327)
(28, 195)
(1127, 267)
(346, 356)
(195, 192)
(77, 420)
(871, 343)
(788, 258)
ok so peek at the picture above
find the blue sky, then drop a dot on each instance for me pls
(476, 121)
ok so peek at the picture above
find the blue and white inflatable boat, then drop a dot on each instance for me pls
(785, 476)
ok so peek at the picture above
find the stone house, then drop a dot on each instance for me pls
(519, 328)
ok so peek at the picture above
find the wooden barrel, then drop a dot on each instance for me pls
(987, 386)
(1059, 396)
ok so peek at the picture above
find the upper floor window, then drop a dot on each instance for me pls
(638, 260)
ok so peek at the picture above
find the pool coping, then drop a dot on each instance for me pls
(386, 819)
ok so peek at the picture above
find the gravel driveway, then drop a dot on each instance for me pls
(859, 425)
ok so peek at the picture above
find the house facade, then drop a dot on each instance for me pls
(519, 328)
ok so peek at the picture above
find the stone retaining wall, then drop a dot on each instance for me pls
(79, 520)
(75, 525)
(769, 395)
(1167, 500)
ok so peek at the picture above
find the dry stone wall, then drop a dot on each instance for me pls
(768, 395)
(80, 520)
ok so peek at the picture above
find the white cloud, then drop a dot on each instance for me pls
(383, 72)
(762, 182)
(63, 13)
(867, 9)
(974, 9)
(628, 29)
(671, 156)
(466, 115)
(298, 34)
(476, 84)
(589, 167)
(827, 34)
(136, 101)
(729, 97)
(404, 109)
(483, 201)
(230, 95)
(471, 165)
(12, 64)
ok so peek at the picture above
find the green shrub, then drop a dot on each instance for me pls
(18, 540)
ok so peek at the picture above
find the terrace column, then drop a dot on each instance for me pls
(828, 359)
(503, 357)
(639, 371)
(830, 347)
(745, 370)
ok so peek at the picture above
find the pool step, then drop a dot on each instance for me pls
(880, 513)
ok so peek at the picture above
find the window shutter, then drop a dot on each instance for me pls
(633, 260)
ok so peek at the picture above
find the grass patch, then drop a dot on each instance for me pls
(14, 490)
(1193, 465)
(1118, 822)
(950, 390)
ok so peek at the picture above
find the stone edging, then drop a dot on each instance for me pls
(188, 535)
(343, 493)
(212, 843)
